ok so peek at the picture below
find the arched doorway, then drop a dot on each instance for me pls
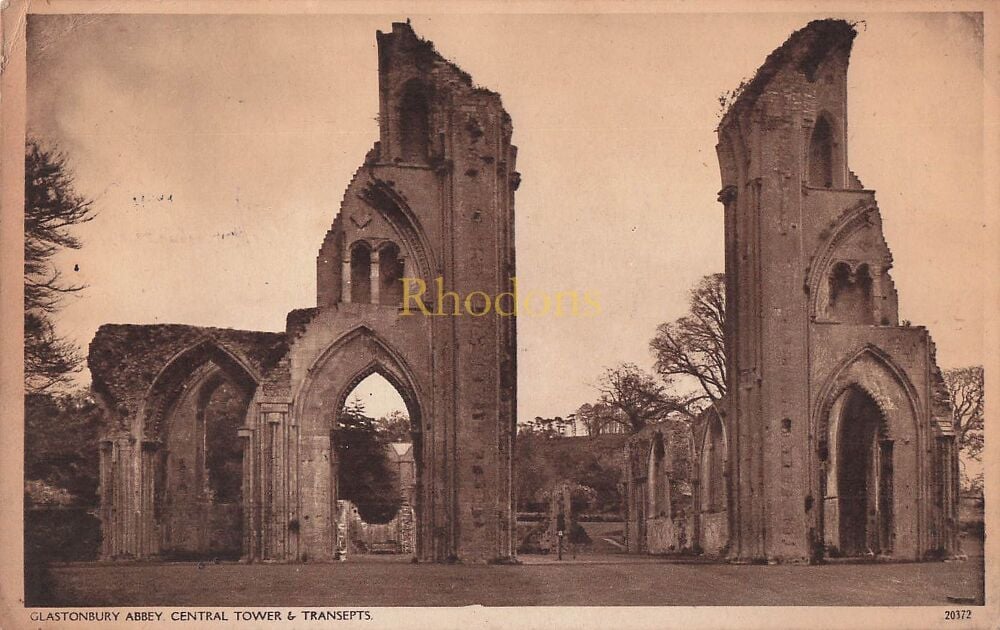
(375, 468)
(860, 476)
(333, 378)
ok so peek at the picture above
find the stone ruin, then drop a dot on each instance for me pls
(433, 201)
(836, 436)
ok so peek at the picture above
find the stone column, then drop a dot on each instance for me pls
(249, 540)
(277, 428)
(149, 540)
(345, 280)
(375, 288)
(107, 491)
(878, 294)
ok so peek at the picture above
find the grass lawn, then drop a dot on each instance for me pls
(591, 579)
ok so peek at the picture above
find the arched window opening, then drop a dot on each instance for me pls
(659, 480)
(390, 275)
(414, 125)
(713, 466)
(821, 155)
(851, 295)
(199, 495)
(376, 469)
(361, 270)
(224, 414)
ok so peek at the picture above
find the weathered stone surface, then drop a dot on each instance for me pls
(124, 359)
(659, 507)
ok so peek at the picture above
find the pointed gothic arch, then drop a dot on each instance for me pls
(190, 507)
(869, 442)
(178, 369)
(350, 359)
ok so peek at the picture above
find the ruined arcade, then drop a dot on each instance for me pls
(433, 199)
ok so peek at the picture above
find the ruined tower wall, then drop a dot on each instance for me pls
(438, 184)
(808, 288)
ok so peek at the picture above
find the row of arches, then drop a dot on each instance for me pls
(201, 495)
(374, 275)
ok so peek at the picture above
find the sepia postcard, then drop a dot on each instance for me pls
(529, 314)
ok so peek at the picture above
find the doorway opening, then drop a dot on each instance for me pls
(864, 476)
(376, 470)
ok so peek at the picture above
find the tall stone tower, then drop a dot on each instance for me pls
(840, 436)
(434, 202)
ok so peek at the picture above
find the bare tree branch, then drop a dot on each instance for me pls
(965, 390)
(694, 345)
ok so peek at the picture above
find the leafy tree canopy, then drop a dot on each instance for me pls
(365, 476)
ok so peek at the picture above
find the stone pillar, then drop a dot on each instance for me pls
(249, 539)
(878, 295)
(107, 492)
(148, 543)
(121, 516)
(275, 432)
(375, 288)
(345, 280)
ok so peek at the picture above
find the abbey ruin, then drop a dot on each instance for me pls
(434, 198)
(835, 437)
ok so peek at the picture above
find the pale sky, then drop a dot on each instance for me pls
(250, 127)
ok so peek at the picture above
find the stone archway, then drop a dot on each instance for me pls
(862, 477)
(191, 495)
(198, 502)
(713, 485)
(410, 498)
(871, 476)
(338, 371)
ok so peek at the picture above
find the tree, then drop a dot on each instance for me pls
(547, 428)
(965, 390)
(365, 477)
(51, 208)
(395, 427)
(694, 345)
(637, 396)
(61, 434)
(599, 418)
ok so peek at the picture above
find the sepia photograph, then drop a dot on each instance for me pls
(331, 313)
